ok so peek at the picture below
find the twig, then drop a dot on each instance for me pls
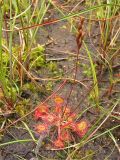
(56, 59)
(39, 144)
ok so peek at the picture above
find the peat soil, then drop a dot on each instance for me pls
(62, 49)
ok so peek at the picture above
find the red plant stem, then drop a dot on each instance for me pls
(75, 75)
(67, 124)
(117, 75)
(59, 123)
(58, 20)
(79, 39)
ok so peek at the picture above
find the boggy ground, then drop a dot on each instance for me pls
(62, 49)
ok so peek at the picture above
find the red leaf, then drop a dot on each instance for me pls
(66, 111)
(81, 127)
(58, 143)
(69, 121)
(58, 100)
(40, 111)
(65, 136)
(73, 126)
(71, 117)
(66, 124)
(41, 128)
(58, 109)
(49, 118)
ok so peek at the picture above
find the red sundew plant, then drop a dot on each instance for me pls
(62, 119)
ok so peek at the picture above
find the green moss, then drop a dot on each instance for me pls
(49, 86)
(37, 57)
(89, 154)
(85, 154)
(52, 66)
(29, 86)
(22, 108)
(87, 70)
